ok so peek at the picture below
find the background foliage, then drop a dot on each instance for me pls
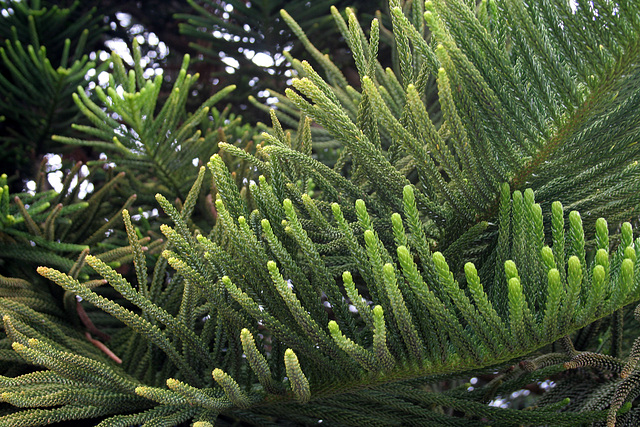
(402, 245)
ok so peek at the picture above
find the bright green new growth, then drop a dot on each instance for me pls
(231, 388)
(555, 294)
(516, 308)
(383, 356)
(257, 361)
(297, 380)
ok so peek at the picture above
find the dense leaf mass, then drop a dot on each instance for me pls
(425, 247)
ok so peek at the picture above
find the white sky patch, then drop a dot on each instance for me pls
(153, 39)
(124, 18)
(55, 176)
(546, 385)
(120, 47)
(31, 187)
(150, 72)
(163, 50)
(230, 61)
(232, 64)
(103, 78)
(499, 403)
(573, 4)
(103, 157)
(136, 29)
(54, 161)
(262, 59)
(279, 58)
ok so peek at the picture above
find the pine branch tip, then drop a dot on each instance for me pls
(18, 347)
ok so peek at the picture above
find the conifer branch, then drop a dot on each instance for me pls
(358, 285)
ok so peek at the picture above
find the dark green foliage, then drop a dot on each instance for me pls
(54, 228)
(397, 349)
(48, 24)
(43, 60)
(239, 30)
(162, 143)
(366, 289)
